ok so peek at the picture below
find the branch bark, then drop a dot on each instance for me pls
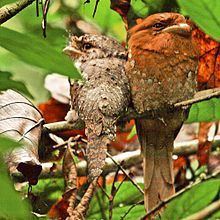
(10, 10)
(131, 114)
(200, 96)
(129, 159)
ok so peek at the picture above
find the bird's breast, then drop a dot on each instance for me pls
(158, 81)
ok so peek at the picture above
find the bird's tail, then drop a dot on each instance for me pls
(96, 154)
(157, 148)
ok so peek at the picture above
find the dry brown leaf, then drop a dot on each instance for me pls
(21, 121)
(209, 60)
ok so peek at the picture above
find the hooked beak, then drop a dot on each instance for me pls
(182, 29)
(72, 50)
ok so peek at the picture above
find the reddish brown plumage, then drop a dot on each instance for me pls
(162, 71)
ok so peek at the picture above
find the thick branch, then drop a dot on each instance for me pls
(200, 96)
(10, 10)
(130, 114)
(64, 126)
(206, 212)
(129, 159)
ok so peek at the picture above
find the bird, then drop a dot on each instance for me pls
(161, 68)
(102, 95)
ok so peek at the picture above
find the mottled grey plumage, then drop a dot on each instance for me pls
(103, 95)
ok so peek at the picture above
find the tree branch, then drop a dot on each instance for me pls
(129, 159)
(206, 212)
(130, 114)
(63, 126)
(200, 96)
(10, 10)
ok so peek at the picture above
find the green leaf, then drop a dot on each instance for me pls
(11, 205)
(192, 201)
(205, 111)
(205, 14)
(132, 133)
(37, 52)
(49, 191)
(7, 83)
(5, 2)
(109, 20)
(126, 196)
(6, 144)
(215, 216)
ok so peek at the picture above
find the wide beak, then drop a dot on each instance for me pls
(182, 29)
(72, 51)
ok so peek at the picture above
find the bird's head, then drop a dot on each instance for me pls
(89, 46)
(159, 32)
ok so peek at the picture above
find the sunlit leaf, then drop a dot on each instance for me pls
(11, 205)
(126, 196)
(107, 19)
(205, 13)
(37, 52)
(205, 111)
(132, 133)
(5, 2)
(6, 144)
(192, 201)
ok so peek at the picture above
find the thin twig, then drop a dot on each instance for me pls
(10, 10)
(129, 159)
(206, 212)
(163, 203)
(37, 8)
(103, 190)
(134, 205)
(44, 21)
(95, 8)
(81, 209)
(113, 190)
(102, 208)
(124, 171)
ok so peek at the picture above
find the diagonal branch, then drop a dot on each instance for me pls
(10, 10)
(200, 96)
(131, 114)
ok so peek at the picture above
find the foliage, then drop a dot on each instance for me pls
(205, 13)
(205, 111)
(126, 196)
(35, 51)
(7, 83)
(11, 205)
(193, 200)
(26, 58)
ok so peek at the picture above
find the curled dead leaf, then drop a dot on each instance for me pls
(21, 121)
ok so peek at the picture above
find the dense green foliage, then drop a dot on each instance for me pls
(26, 57)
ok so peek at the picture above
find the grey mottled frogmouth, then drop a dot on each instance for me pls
(102, 95)
(161, 69)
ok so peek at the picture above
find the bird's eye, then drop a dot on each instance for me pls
(87, 46)
(158, 25)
